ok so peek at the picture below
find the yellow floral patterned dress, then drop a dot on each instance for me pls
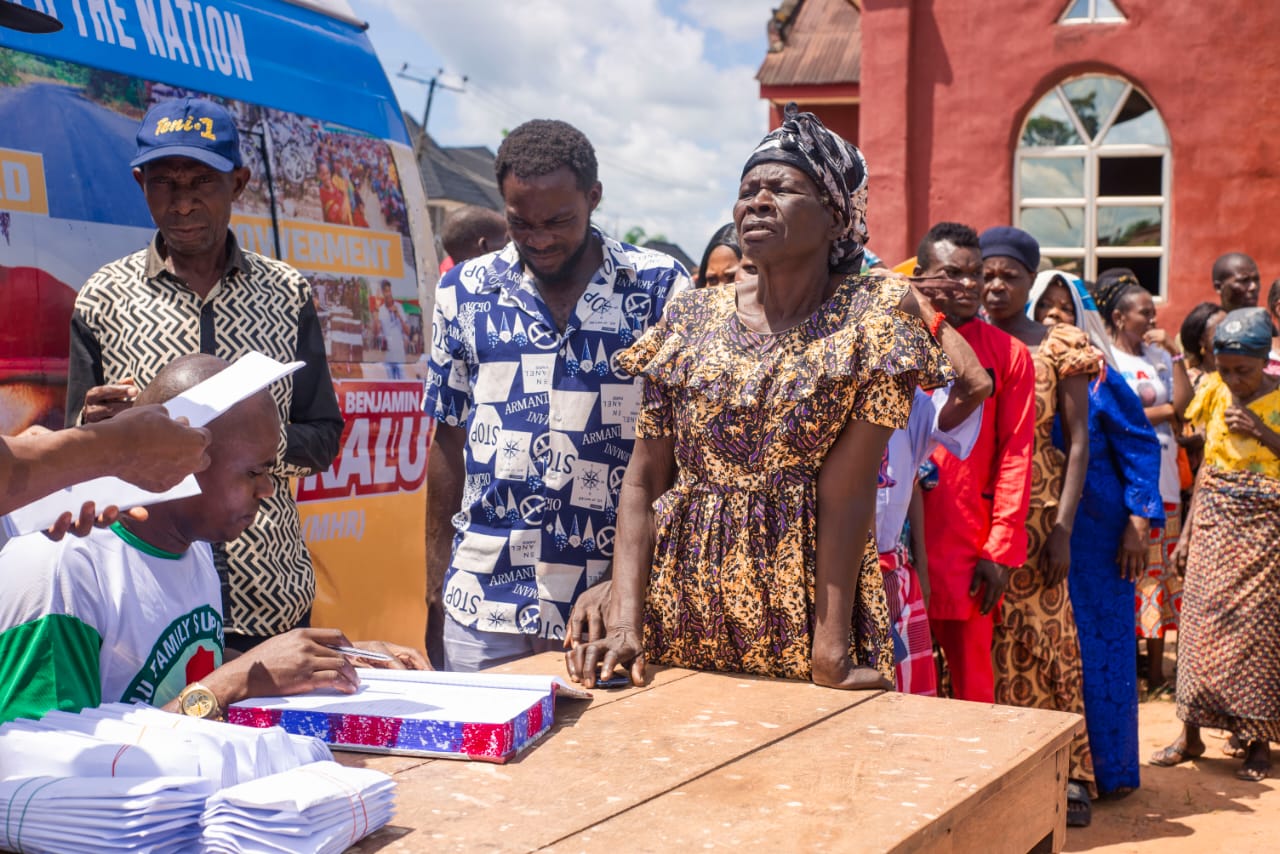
(753, 416)
(1224, 448)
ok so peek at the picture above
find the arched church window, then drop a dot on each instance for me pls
(1092, 12)
(1092, 179)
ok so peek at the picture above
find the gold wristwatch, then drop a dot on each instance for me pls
(197, 701)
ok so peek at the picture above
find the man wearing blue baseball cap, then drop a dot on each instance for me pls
(194, 290)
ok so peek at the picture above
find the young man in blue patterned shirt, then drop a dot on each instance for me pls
(535, 422)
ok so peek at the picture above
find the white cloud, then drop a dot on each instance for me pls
(736, 20)
(671, 129)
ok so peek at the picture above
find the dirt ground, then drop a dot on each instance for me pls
(1195, 807)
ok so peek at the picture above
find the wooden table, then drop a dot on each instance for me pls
(710, 760)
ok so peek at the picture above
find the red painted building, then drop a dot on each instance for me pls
(1139, 133)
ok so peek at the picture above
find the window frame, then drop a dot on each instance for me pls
(1092, 152)
(1092, 16)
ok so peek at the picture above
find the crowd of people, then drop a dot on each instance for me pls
(1037, 593)
(797, 463)
(348, 166)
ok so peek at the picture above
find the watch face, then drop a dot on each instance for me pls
(199, 703)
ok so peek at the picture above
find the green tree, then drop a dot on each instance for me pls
(8, 69)
(108, 87)
(637, 236)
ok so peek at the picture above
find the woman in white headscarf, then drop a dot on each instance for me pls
(1108, 549)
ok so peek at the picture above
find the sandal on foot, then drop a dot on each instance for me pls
(1174, 755)
(1257, 763)
(1234, 748)
(1079, 810)
(1252, 772)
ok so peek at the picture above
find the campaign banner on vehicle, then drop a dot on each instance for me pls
(363, 519)
(235, 48)
(326, 149)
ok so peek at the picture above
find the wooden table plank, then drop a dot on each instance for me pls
(615, 754)
(568, 711)
(898, 773)
(705, 760)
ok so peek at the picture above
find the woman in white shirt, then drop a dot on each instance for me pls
(1153, 368)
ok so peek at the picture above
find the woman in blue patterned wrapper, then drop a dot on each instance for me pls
(1108, 549)
(767, 407)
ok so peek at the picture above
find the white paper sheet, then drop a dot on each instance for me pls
(73, 754)
(258, 751)
(215, 759)
(102, 491)
(199, 404)
(205, 401)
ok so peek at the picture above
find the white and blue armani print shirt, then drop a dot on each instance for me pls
(550, 423)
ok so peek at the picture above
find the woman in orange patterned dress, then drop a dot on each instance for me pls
(1036, 651)
(767, 407)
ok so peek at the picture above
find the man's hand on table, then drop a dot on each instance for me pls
(847, 676)
(295, 662)
(301, 661)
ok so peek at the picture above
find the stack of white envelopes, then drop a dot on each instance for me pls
(121, 740)
(134, 778)
(320, 807)
(72, 814)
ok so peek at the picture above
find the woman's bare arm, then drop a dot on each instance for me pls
(846, 507)
(649, 474)
(1073, 407)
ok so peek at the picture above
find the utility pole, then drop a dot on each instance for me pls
(432, 83)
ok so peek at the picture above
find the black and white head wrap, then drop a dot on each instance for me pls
(835, 165)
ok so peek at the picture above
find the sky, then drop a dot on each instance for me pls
(664, 89)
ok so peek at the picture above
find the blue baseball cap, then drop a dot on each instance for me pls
(189, 127)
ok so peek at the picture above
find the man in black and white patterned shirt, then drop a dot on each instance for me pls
(194, 290)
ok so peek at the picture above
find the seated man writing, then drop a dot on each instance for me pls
(131, 612)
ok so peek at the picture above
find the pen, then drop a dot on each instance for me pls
(368, 654)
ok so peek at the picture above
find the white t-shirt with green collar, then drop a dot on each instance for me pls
(103, 618)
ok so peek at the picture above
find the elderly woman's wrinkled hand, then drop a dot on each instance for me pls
(1241, 419)
(587, 662)
(588, 614)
